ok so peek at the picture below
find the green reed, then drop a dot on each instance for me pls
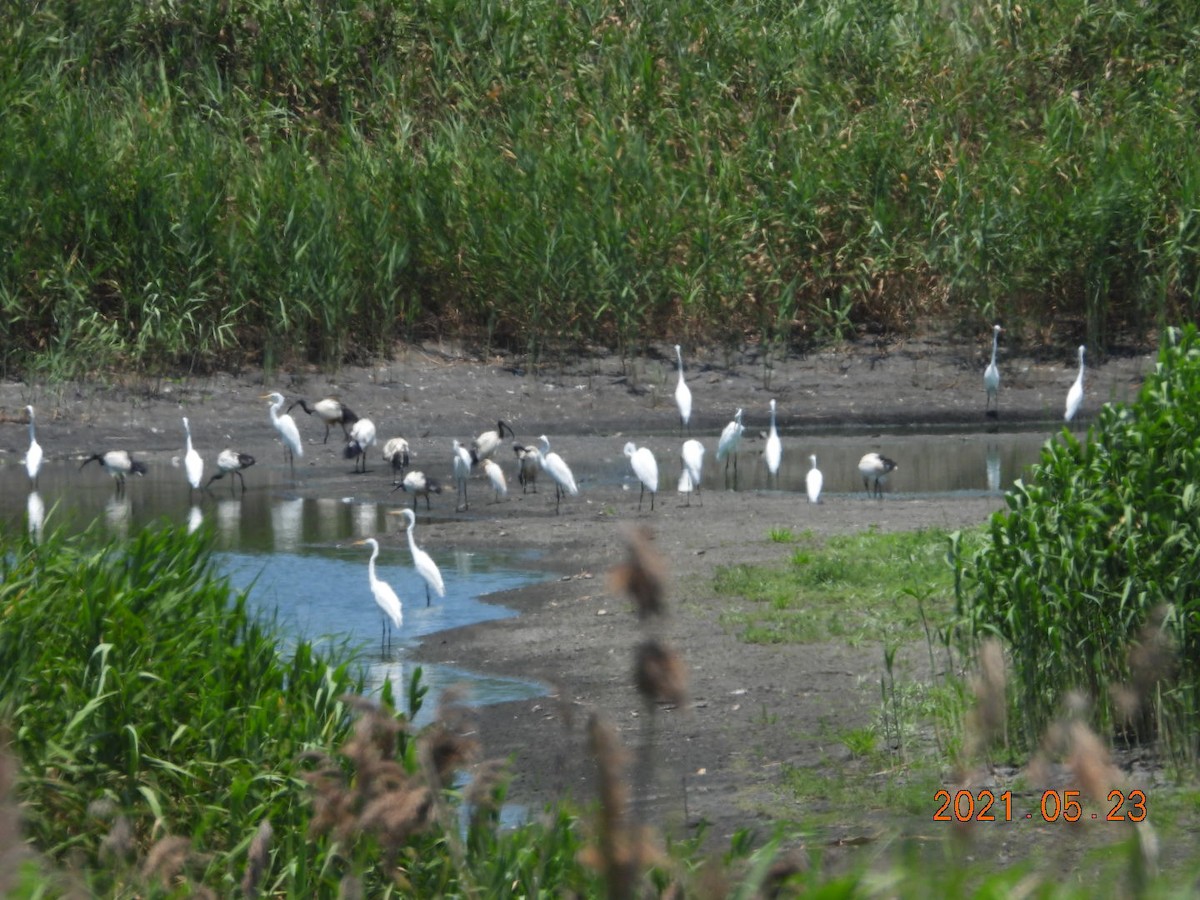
(1088, 575)
(186, 185)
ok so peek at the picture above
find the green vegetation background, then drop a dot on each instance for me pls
(194, 184)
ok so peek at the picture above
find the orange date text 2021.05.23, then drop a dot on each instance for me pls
(1054, 806)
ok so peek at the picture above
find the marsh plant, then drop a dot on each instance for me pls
(1088, 576)
(185, 185)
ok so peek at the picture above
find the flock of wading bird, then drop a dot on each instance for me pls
(532, 459)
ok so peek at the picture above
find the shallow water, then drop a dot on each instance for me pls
(296, 555)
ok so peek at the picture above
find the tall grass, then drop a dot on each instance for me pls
(1088, 576)
(189, 184)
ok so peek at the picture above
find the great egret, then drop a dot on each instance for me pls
(692, 456)
(484, 446)
(875, 467)
(774, 448)
(118, 464)
(991, 376)
(395, 454)
(230, 462)
(683, 395)
(418, 484)
(330, 412)
(362, 436)
(385, 597)
(495, 475)
(193, 465)
(527, 465)
(422, 561)
(813, 481)
(559, 471)
(33, 457)
(462, 471)
(645, 468)
(289, 434)
(727, 446)
(1075, 395)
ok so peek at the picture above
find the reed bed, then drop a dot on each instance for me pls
(200, 184)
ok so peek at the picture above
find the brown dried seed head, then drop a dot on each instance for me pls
(167, 858)
(257, 858)
(659, 673)
(643, 575)
(1089, 762)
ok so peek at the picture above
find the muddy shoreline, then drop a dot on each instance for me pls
(753, 711)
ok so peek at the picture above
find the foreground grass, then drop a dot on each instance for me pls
(190, 184)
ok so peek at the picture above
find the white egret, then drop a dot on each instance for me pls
(814, 480)
(484, 446)
(230, 462)
(692, 457)
(462, 471)
(193, 465)
(875, 468)
(774, 448)
(727, 446)
(330, 412)
(422, 561)
(35, 511)
(395, 454)
(991, 376)
(385, 597)
(418, 484)
(118, 464)
(559, 472)
(527, 466)
(362, 436)
(495, 475)
(1075, 395)
(33, 457)
(683, 395)
(289, 434)
(645, 468)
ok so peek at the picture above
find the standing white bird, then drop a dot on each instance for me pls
(991, 376)
(813, 481)
(495, 475)
(230, 462)
(559, 471)
(462, 471)
(118, 464)
(646, 469)
(395, 454)
(1075, 395)
(193, 465)
(289, 434)
(418, 484)
(683, 395)
(527, 466)
(774, 448)
(422, 561)
(876, 467)
(385, 597)
(727, 446)
(362, 436)
(330, 412)
(488, 443)
(692, 458)
(33, 457)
